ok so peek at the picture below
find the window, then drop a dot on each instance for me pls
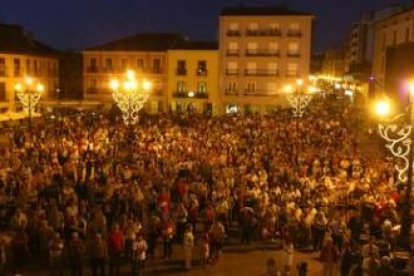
(156, 66)
(16, 64)
(274, 29)
(274, 47)
(140, 64)
(93, 65)
(201, 68)
(36, 67)
(124, 64)
(233, 48)
(294, 29)
(181, 87)
(202, 87)
(407, 35)
(292, 69)
(251, 48)
(232, 68)
(2, 67)
(108, 64)
(253, 29)
(293, 49)
(271, 87)
(28, 67)
(233, 30)
(251, 68)
(2, 91)
(181, 67)
(231, 87)
(251, 87)
(92, 86)
(272, 68)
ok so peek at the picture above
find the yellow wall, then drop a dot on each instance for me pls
(102, 75)
(47, 73)
(191, 79)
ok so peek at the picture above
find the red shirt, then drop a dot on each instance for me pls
(116, 241)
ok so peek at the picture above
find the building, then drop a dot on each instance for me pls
(193, 77)
(359, 45)
(71, 76)
(333, 64)
(20, 56)
(261, 49)
(145, 53)
(391, 33)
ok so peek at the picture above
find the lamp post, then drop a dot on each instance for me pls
(399, 137)
(130, 95)
(29, 93)
(297, 98)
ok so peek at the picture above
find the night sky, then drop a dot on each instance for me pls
(75, 24)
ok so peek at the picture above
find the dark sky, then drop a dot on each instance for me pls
(75, 24)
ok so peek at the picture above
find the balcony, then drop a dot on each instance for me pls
(264, 32)
(232, 72)
(92, 69)
(181, 71)
(230, 92)
(262, 52)
(261, 72)
(259, 93)
(233, 33)
(185, 94)
(232, 52)
(294, 33)
(293, 54)
(201, 72)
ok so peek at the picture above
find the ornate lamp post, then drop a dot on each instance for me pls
(399, 137)
(29, 93)
(297, 98)
(130, 95)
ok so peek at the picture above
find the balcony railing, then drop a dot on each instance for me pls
(92, 69)
(185, 94)
(181, 71)
(231, 92)
(264, 32)
(233, 33)
(293, 54)
(262, 52)
(260, 93)
(294, 33)
(261, 72)
(232, 72)
(232, 52)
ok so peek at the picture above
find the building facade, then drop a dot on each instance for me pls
(333, 64)
(193, 77)
(22, 56)
(146, 54)
(359, 45)
(260, 51)
(391, 32)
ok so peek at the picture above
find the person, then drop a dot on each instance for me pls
(168, 235)
(2, 256)
(20, 250)
(216, 235)
(370, 249)
(329, 258)
(271, 268)
(318, 230)
(116, 248)
(75, 252)
(188, 243)
(56, 246)
(98, 255)
(288, 251)
(139, 249)
(370, 265)
(350, 258)
(205, 249)
(385, 268)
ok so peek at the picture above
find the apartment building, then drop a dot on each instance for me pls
(396, 31)
(333, 64)
(193, 77)
(146, 54)
(261, 49)
(20, 56)
(359, 45)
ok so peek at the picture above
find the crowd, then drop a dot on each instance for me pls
(93, 193)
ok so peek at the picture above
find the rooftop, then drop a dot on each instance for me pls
(157, 42)
(14, 41)
(262, 10)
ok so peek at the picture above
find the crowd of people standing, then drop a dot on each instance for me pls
(83, 192)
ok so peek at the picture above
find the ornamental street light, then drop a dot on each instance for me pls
(29, 92)
(130, 95)
(399, 137)
(297, 98)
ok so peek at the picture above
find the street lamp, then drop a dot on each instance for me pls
(29, 92)
(130, 95)
(399, 138)
(297, 98)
